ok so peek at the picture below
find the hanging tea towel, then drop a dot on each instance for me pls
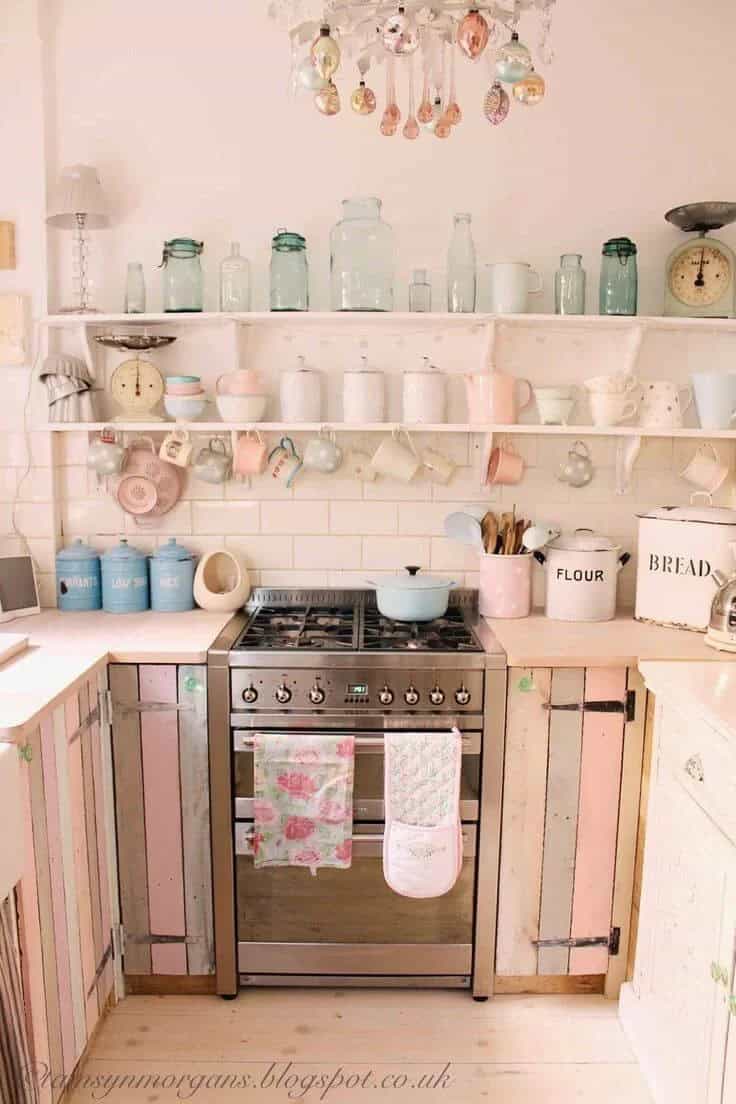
(422, 843)
(303, 800)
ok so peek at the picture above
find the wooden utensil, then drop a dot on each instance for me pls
(507, 529)
(518, 531)
(489, 529)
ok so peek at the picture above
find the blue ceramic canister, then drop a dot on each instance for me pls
(124, 579)
(78, 581)
(172, 578)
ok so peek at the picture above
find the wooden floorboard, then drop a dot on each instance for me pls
(511, 1050)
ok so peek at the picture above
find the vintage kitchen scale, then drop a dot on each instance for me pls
(136, 385)
(701, 273)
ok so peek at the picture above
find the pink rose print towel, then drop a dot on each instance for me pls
(303, 808)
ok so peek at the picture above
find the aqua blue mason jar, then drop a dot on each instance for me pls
(618, 289)
(124, 579)
(78, 578)
(172, 578)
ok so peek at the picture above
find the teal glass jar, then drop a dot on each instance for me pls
(289, 272)
(618, 289)
(183, 279)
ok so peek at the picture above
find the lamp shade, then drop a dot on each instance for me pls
(78, 192)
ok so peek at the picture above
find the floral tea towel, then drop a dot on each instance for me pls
(303, 808)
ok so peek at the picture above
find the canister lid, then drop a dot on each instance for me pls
(713, 515)
(77, 550)
(584, 540)
(172, 550)
(123, 553)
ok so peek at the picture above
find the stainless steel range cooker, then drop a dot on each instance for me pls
(301, 661)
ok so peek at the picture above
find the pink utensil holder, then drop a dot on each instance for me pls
(505, 588)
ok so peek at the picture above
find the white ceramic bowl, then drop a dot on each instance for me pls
(241, 408)
(185, 408)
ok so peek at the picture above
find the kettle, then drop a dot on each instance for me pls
(721, 632)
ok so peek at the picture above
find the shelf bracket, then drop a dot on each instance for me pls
(627, 450)
(485, 458)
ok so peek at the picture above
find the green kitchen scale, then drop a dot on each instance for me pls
(701, 274)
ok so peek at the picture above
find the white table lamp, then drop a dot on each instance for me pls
(78, 203)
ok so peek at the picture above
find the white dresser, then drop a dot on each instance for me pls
(679, 1011)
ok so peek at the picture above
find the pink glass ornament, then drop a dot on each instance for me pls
(424, 114)
(399, 34)
(392, 113)
(496, 104)
(443, 129)
(327, 100)
(473, 34)
(363, 100)
(387, 128)
(453, 114)
(411, 126)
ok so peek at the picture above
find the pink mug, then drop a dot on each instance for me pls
(250, 455)
(497, 398)
(505, 465)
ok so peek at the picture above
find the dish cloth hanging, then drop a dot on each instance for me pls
(303, 807)
(422, 843)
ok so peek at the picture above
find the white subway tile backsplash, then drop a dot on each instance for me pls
(263, 552)
(295, 517)
(366, 517)
(225, 517)
(85, 516)
(177, 520)
(424, 518)
(448, 555)
(309, 485)
(33, 519)
(293, 578)
(389, 490)
(465, 486)
(37, 485)
(389, 553)
(327, 553)
(8, 484)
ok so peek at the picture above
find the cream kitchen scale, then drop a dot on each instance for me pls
(136, 384)
(701, 273)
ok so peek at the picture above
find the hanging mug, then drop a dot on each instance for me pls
(176, 448)
(396, 460)
(284, 461)
(213, 463)
(321, 454)
(705, 470)
(250, 455)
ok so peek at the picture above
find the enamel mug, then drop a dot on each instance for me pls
(284, 462)
(610, 409)
(440, 468)
(176, 448)
(495, 397)
(396, 460)
(512, 282)
(106, 455)
(661, 404)
(213, 463)
(250, 456)
(705, 470)
(505, 465)
(321, 454)
(715, 398)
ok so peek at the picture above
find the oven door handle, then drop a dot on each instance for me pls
(368, 844)
(247, 740)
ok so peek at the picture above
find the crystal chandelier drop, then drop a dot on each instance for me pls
(378, 46)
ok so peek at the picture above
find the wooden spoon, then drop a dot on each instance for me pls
(489, 529)
(518, 531)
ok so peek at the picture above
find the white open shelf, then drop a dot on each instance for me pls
(386, 427)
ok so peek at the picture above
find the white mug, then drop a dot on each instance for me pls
(176, 447)
(661, 406)
(705, 470)
(440, 468)
(618, 384)
(610, 409)
(396, 460)
(512, 282)
(715, 398)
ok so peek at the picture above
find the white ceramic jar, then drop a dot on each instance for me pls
(301, 394)
(363, 394)
(424, 396)
(582, 576)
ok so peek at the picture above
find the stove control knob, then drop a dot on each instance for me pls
(462, 696)
(316, 695)
(282, 694)
(250, 695)
(436, 696)
(385, 696)
(411, 695)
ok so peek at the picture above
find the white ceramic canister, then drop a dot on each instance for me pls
(363, 394)
(301, 394)
(582, 576)
(424, 395)
(680, 548)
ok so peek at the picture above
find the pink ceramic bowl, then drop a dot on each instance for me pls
(184, 388)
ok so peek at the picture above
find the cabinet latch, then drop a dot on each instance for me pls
(627, 706)
(611, 941)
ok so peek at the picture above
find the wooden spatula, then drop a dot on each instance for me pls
(489, 529)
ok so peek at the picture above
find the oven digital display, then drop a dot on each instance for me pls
(357, 689)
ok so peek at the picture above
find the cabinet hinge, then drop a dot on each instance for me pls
(117, 941)
(627, 706)
(151, 707)
(104, 707)
(611, 941)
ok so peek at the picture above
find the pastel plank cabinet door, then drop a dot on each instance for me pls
(160, 749)
(572, 778)
(66, 897)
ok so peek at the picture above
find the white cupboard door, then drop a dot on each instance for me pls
(722, 1080)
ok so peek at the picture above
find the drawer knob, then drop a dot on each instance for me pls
(694, 767)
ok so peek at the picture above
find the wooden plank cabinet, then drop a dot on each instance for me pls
(67, 898)
(572, 777)
(160, 750)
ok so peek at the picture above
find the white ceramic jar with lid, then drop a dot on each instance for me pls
(424, 395)
(301, 394)
(363, 394)
(582, 576)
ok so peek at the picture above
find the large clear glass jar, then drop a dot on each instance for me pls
(289, 272)
(619, 280)
(462, 272)
(183, 280)
(570, 285)
(235, 281)
(362, 258)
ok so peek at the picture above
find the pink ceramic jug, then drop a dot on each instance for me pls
(496, 398)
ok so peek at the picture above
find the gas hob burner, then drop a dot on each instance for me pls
(311, 628)
(446, 634)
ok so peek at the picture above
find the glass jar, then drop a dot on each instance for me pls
(289, 272)
(183, 280)
(135, 289)
(420, 292)
(618, 286)
(570, 285)
(235, 281)
(362, 258)
(462, 273)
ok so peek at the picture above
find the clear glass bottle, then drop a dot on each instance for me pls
(462, 277)
(619, 279)
(183, 280)
(570, 285)
(135, 289)
(420, 292)
(289, 272)
(362, 258)
(235, 281)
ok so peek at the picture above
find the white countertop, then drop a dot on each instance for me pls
(65, 647)
(537, 641)
(705, 689)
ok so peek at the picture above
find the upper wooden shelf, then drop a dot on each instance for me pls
(401, 319)
(527, 430)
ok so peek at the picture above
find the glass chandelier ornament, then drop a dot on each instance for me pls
(327, 100)
(530, 89)
(363, 100)
(399, 34)
(411, 126)
(325, 53)
(496, 104)
(473, 34)
(513, 60)
(308, 77)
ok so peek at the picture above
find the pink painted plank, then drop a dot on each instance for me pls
(81, 871)
(100, 815)
(31, 960)
(162, 802)
(600, 785)
(58, 892)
